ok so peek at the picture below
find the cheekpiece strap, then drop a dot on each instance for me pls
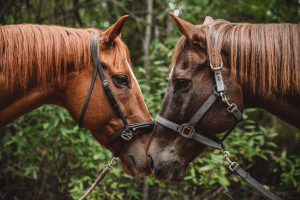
(203, 109)
(219, 81)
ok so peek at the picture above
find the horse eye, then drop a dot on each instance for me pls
(182, 84)
(122, 80)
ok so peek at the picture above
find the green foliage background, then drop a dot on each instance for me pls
(43, 155)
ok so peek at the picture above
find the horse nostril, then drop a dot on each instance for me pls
(150, 161)
(172, 150)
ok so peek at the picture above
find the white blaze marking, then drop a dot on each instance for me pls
(132, 74)
(172, 71)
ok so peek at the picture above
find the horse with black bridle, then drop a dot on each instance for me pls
(86, 71)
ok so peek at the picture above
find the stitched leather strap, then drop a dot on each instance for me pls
(242, 173)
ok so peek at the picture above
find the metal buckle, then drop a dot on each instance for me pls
(224, 92)
(230, 166)
(226, 156)
(112, 162)
(126, 135)
(230, 105)
(185, 126)
(216, 68)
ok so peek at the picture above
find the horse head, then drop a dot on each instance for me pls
(101, 117)
(57, 68)
(190, 84)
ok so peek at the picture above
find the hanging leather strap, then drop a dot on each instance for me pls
(242, 173)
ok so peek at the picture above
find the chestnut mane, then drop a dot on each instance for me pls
(263, 57)
(41, 53)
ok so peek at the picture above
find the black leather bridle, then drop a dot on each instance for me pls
(124, 133)
(187, 130)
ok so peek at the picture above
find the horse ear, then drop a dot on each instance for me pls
(208, 20)
(190, 31)
(115, 30)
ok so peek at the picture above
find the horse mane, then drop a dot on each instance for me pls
(263, 57)
(41, 53)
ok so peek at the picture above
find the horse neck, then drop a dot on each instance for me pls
(17, 102)
(19, 98)
(285, 107)
(265, 61)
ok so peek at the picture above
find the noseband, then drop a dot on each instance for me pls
(124, 133)
(187, 130)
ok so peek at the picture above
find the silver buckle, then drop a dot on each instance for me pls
(230, 105)
(226, 156)
(224, 92)
(126, 135)
(216, 68)
(230, 166)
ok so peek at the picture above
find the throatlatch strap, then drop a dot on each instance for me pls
(87, 98)
(237, 114)
(242, 173)
(204, 140)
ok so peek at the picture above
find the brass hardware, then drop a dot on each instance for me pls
(186, 127)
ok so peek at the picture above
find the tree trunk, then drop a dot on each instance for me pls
(147, 70)
(147, 42)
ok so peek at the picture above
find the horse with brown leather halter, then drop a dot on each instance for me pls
(259, 64)
(54, 65)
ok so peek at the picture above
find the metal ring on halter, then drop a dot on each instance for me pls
(216, 68)
(221, 92)
(126, 135)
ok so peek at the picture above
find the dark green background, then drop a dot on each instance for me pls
(43, 155)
